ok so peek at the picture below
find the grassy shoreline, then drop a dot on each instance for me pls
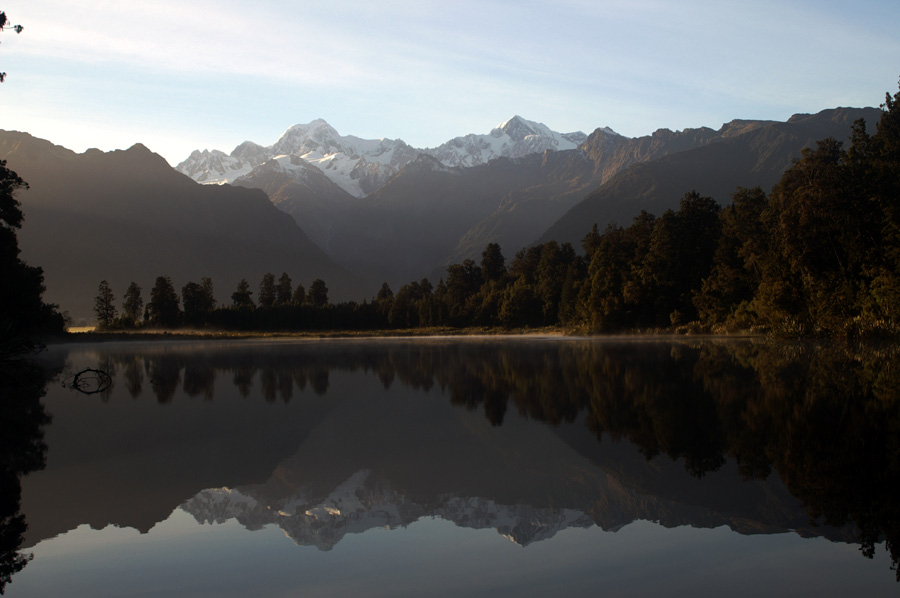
(173, 334)
(155, 334)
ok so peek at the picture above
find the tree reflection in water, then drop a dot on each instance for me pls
(825, 418)
(22, 450)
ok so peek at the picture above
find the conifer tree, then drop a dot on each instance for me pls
(105, 305)
(318, 293)
(163, 309)
(299, 295)
(283, 291)
(241, 297)
(133, 304)
(267, 292)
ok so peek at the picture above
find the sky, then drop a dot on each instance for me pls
(199, 74)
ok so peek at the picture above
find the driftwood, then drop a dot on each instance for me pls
(90, 381)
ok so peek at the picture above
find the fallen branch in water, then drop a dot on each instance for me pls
(90, 381)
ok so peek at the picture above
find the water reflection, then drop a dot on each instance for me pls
(22, 450)
(706, 424)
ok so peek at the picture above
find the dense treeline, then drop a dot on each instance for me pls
(819, 255)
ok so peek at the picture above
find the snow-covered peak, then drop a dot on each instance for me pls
(249, 151)
(517, 128)
(514, 138)
(300, 139)
(215, 167)
(361, 166)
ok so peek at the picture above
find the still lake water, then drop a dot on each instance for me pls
(486, 466)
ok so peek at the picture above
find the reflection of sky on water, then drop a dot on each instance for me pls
(434, 557)
(453, 447)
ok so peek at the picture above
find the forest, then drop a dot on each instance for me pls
(819, 255)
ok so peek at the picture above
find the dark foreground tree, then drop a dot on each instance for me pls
(4, 24)
(23, 314)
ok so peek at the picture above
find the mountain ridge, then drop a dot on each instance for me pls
(126, 215)
(361, 166)
(746, 154)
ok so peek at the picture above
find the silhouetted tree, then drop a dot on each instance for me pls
(133, 304)
(241, 297)
(23, 314)
(384, 300)
(284, 290)
(208, 289)
(105, 305)
(299, 295)
(318, 293)
(493, 264)
(267, 290)
(197, 302)
(463, 282)
(163, 308)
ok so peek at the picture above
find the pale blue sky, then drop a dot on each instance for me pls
(187, 75)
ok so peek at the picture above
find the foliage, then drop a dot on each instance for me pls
(240, 298)
(105, 305)
(819, 255)
(267, 292)
(23, 314)
(132, 305)
(318, 294)
(283, 292)
(163, 310)
(4, 24)
(198, 301)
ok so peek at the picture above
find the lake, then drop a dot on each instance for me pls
(491, 466)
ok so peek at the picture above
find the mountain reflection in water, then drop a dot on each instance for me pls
(760, 437)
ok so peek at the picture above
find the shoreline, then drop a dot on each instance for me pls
(424, 333)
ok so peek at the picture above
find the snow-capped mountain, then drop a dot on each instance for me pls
(363, 502)
(515, 138)
(361, 166)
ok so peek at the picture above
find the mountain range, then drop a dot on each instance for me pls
(361, 166)
(519, 184)
(357, 212)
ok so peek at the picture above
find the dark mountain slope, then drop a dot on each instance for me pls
(743, 157)
(128, 216)
(408, 227)
(317, 204)
(523, 214)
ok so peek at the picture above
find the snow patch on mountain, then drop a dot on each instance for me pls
(361, 166)
(214, 167)
(514, 138)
